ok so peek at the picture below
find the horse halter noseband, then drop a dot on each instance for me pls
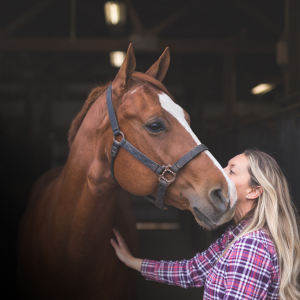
(160, 170)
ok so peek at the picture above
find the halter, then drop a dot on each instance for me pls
(160, 170)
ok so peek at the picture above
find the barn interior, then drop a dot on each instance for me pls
(235, 68)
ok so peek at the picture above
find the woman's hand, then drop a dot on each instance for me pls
(123, 252)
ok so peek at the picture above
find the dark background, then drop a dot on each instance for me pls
(52, 56)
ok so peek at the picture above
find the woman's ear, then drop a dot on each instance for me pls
(254, 193)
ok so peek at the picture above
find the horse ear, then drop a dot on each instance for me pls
(160, 68)
(125, 72)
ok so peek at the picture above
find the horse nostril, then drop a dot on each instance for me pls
(218, 200)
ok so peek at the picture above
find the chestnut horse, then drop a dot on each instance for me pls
(64, 238)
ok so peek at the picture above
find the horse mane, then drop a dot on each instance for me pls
(76, 123)
(96, 93)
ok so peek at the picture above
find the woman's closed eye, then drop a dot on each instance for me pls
(231, 172)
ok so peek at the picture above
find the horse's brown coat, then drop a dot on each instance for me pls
(64, 248)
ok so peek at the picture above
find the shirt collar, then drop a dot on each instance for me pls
(235, 230)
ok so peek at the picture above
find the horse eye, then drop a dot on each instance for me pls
(155, 127)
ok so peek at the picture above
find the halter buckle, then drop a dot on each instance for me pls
(162, 177)
(120, 132)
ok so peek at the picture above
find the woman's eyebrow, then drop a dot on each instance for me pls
(235, 166)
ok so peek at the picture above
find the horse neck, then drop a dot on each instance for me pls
(88, 192)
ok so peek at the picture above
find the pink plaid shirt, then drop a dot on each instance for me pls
(248, 270)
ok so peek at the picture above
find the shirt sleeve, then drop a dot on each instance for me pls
(249, 271)
(184, 273)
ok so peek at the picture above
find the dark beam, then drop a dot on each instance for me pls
(292, 35)
(84, 78)
(137, 24)
(25, 18)
(229, 85)
(168, 21)
(104, 45)
(256, 14)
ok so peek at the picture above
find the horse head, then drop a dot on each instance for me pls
(160, 129)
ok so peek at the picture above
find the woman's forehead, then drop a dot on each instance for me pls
(240, 162)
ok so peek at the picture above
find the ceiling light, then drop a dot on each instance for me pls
(263, 88)
(117, 58)
(115, 13)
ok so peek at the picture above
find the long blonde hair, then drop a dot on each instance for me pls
(275, 211)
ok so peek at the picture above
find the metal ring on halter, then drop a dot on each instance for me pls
(120, 132)
(167, 169)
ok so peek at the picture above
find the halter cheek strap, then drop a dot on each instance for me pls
(160, 170)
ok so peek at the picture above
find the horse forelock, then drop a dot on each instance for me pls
(96, 93)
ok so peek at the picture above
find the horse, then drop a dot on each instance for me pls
(64, 249)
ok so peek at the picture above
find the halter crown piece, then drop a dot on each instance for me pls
(160, 170)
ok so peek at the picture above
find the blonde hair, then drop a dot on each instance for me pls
(275, 211)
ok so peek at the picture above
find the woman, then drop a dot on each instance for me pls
(258, 257)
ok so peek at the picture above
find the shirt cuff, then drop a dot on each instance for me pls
(147, 269)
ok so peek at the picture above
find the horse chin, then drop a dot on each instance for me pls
(202, 220)
(210, 224)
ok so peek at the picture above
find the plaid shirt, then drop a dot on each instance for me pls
(248, 270)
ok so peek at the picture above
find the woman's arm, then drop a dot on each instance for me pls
(185, 273)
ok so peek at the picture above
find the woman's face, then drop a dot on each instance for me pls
(237, 170)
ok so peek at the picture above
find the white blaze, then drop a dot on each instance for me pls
(177, 112)
(174, 109)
